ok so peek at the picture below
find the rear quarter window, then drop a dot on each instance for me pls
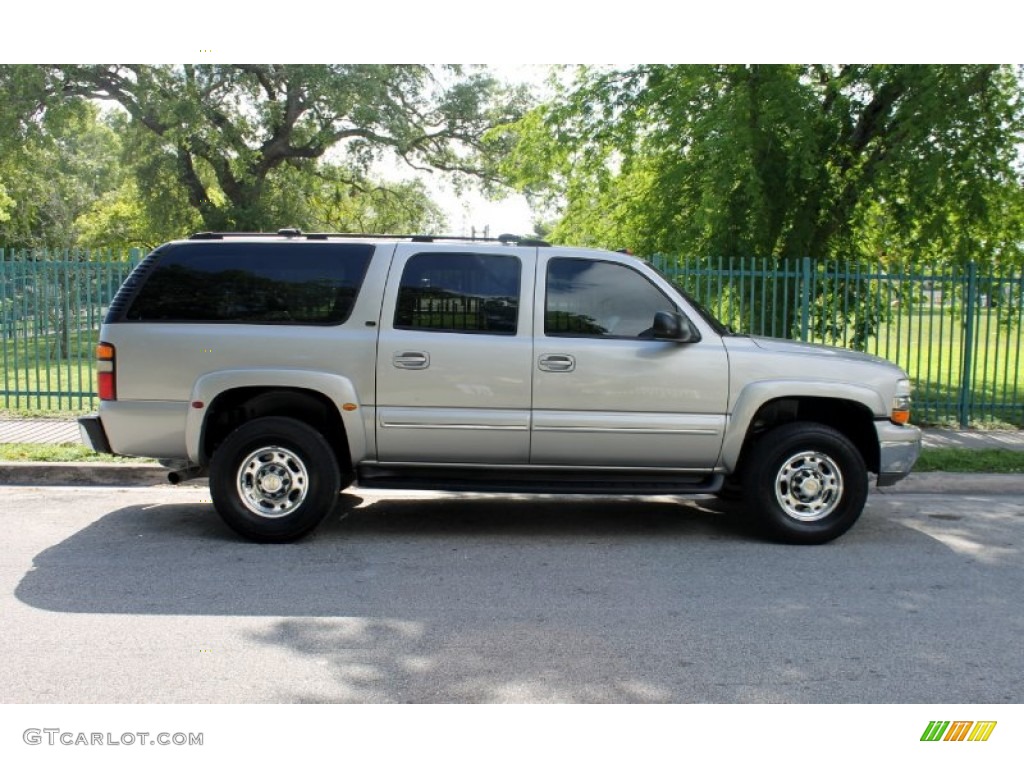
(243, 282)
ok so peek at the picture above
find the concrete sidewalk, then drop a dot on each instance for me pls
(51, 431)
(66, 431)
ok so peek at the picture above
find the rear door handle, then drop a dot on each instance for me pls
(411, 360)
(556, 363)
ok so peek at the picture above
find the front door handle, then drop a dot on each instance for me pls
(557, 363)
(411, 360)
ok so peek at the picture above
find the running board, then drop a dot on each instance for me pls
(537, 481)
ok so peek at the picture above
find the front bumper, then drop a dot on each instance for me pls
(898, 449)
(93, 435)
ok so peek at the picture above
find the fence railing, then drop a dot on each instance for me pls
(51, 306)
(955, 330)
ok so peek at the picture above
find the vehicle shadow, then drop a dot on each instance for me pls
(180, 558)
(484, 599)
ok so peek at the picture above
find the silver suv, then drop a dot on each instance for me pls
(289, 366)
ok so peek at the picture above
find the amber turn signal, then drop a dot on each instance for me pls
(900, 417)
(901, 407)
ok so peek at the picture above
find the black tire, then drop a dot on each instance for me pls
(806, 483)
(731, 490)
(274, 479)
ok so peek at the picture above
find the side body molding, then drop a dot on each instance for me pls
(338, 389)
(755, 395)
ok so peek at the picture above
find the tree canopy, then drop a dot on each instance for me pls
(848, 161)
(249, 147)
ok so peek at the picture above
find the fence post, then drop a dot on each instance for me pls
(805, 298)
(966, 374)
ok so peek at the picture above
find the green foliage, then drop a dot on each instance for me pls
(6, 203)
(244, 147)
(892, 163)
(849, 312)
(53, 176)
(365, 206)
(225, 143)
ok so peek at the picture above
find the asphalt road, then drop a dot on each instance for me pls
(142, 595)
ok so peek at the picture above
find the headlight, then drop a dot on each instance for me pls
(901, 403)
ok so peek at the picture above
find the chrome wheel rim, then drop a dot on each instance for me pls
(809, 486)
(272, 481)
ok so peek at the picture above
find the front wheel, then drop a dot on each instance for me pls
(274, 479)
(807, 483)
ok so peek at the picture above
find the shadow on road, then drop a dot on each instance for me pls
(532, 599)
(180, 558)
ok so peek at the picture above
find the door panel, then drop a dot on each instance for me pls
(625, 402)
(453, 378)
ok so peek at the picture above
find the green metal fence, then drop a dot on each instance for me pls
(51, 307)
(955, 330)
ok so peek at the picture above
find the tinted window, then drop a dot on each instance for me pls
(314, 283)
(466, 292)
(600, 298)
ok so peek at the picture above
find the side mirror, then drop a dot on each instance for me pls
(671, 326)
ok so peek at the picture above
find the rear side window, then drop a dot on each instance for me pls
(280, 283)
(459, 292)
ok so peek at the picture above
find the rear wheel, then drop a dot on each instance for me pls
(806, 482)
(274, 479)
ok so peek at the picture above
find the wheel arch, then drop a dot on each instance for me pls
(851, 417)
(221, 402)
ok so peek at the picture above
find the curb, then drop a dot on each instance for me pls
(956, 484)
(95, 473)
(81, 473)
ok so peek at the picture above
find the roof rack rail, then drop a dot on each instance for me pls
(505, 239)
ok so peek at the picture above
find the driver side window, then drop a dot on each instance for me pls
(585, 297)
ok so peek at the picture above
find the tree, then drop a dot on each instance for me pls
(230, 131)
(6, 202)
(54, 175)
(362, 205)
(851, 161)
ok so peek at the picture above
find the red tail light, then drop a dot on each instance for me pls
(106, 375)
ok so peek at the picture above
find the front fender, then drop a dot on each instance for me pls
(338, 389)
(753, 396)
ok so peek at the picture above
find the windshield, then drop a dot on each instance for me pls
(719, 327)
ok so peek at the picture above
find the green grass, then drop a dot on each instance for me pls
(59, 452)
(970, 460)
(32, 365)
(928, 345)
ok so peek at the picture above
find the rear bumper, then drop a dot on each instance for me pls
(93, 435)
(898, 449)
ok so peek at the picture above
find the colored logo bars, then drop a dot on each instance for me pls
(958, 730)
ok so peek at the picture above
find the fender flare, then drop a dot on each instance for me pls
(338, 389)
(755, 395)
